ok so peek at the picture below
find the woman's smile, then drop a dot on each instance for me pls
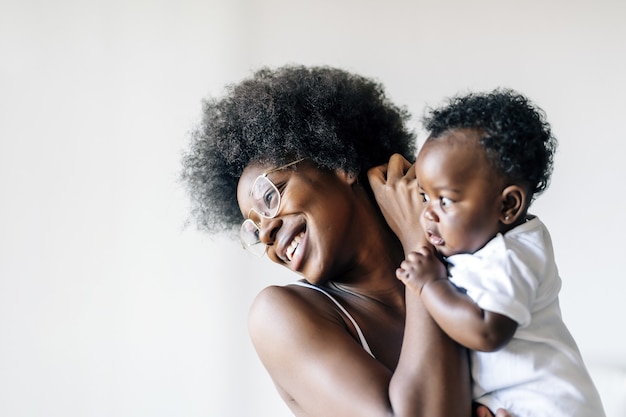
(294, 245)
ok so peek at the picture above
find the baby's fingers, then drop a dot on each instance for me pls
(421, 253)
(402, 274)
(409, 279)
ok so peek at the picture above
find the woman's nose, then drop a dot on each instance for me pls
(268, 228)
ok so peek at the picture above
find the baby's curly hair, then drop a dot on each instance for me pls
(331, 117)
(517, 138)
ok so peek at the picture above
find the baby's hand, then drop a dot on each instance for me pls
(482, 411)
(419, 268)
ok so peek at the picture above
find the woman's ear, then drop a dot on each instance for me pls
(513, 204)
(349, 178)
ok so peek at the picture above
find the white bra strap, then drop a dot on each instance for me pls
(356, 326)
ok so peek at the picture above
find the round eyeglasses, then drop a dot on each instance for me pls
(266, 203)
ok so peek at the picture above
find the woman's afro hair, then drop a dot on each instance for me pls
(336, 119)
(517, 138)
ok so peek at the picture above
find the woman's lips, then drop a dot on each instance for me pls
(294, 245)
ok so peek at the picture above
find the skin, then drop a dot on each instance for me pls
(464, 203)
(309, 348)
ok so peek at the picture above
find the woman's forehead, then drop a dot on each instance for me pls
(255, 169)
(248, 176)
(246, 181)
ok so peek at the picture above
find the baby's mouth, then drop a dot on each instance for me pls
(294, 245)
(435, 239)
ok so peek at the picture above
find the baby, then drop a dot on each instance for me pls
(487, 157)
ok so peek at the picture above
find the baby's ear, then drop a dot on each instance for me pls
(513, 204)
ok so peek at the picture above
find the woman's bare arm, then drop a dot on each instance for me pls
(314, 360)
(433, 371)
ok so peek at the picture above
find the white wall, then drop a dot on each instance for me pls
(109, 307)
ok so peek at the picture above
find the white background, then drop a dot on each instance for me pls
(109, 306)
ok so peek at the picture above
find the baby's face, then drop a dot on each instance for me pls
(462, 194)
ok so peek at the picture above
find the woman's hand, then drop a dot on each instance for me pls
(396, 191)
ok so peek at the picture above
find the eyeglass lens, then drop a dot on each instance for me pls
(249, 235)
(265, 196)
(266, 200)
(266, 203)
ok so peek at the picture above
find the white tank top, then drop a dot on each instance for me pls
(356, 326)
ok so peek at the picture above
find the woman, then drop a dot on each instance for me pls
(290, 150)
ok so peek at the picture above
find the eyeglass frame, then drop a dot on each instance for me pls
(248, 220)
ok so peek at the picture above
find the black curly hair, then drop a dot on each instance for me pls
(331, 117)
(517, 138)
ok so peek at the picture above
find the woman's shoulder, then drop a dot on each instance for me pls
(273, 299)
(292, 312)
(289, 301)
(283, 320)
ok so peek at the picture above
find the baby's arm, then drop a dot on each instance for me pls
(455, 312)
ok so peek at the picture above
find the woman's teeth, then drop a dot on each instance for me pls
(294, 245)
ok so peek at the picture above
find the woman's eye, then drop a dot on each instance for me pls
(269, 198)
(445, 201)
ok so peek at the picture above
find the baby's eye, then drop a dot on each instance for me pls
(425, 198)
(445, 201)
